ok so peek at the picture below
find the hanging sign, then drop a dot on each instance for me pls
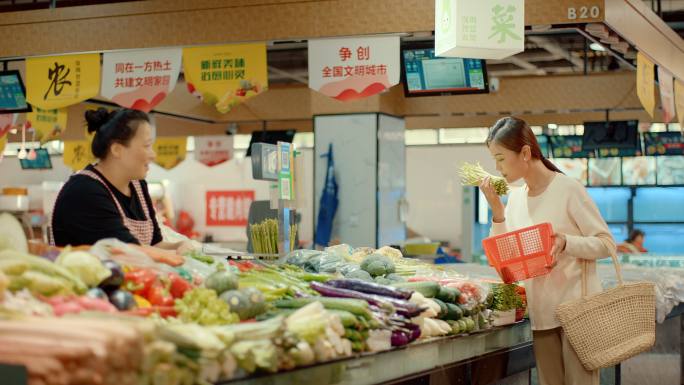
(353, 68)
(664, 143)
(60, 81)
(666, 94)
(488, 29)
(3, 142)
(679, 102)
(569, 146)
(7, 121)
(225, 76)
(228, 208)
(170, 151)
(140, 79)
(48, 124)
(646, 83)
(213, 150)
(77, 154)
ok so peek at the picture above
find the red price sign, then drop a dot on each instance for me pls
(228, 208)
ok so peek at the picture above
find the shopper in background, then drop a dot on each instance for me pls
(581, 234)
(110, 199)
(634, 244)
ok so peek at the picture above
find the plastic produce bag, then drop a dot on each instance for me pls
(114, 249)
(343, 250)
(330, 263)
(299, 257)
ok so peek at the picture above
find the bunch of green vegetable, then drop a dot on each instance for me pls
(203, 306)
(280, 282)
(473, 174)
(264, 236)
(505, 297)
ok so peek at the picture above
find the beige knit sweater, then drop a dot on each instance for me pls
(568, 207)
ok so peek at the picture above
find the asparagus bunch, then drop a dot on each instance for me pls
(265, 236)
(473, 174)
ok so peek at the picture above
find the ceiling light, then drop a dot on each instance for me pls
(596, 47)
(553, 126)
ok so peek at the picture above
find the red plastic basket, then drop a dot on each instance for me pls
(521, 254)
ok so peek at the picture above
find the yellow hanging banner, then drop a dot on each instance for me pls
(225, 76)
(3, 142)
(60, 81)
(646, 83)
(679, 102)
(170, 151)
(48, 124)
(77, 154)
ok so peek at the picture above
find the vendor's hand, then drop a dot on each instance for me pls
(493, 199)
(559, 243)
(183, 247)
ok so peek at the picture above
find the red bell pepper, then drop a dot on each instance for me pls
(140, 281)
(160, 296)
(178, 285)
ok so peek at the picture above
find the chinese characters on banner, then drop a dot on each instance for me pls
(666, 94)
(77, 154)
(488, 29)
(228, 208)
(213, 150)
(646, 83)
(170, 151)
(60, 81)
(353, 68)
(225, 76)
(140, 79)
(48, 124)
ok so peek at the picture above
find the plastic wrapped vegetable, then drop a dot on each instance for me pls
(299, 257)
(473, 174)
(85, 266)
(376, 264)
(342, 250)
(330, 263)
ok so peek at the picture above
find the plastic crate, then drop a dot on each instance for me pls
(521, 254)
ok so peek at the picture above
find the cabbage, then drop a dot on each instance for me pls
(85, 266)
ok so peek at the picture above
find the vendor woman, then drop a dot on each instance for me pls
(110, 199)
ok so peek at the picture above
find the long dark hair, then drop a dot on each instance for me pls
(112, 127)
(513, 134)
(634, 234)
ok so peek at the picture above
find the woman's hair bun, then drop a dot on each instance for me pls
(96, 119)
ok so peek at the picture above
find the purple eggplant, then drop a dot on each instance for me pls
(330, 291)
(370, 288)
(400, 338)
(405, 308)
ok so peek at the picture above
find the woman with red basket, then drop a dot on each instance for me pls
(548, 196)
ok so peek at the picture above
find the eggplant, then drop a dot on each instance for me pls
(402, 307)
(400, 338)
(114, 281)
(122, 300)
(371, 288)
(98, 293)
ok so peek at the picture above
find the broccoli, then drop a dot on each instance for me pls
(382, 280)
(395, 278)
(376, 264)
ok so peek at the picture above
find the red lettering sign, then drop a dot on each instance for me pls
(228, 208)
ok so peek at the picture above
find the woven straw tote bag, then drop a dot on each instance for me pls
(612, 326)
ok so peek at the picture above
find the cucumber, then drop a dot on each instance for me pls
(463, 326)
(428, 289)
(455, 327)
(448, 294)
(355, 306)
(444, 311)
(454, 312)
